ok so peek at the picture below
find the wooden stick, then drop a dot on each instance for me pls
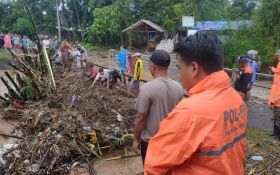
(16, 68)
(269, 166)
(13, 94)
(65, 78)
(15, 85)
(19, 80)
(122, 157)
(3, 99)
(12, 81)
(43, 160)
(12, 136)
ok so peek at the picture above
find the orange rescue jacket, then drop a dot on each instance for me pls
(203, 135)
(274, 97)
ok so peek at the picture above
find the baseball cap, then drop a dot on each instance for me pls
(161, 58)
(137, 54)
(242, 59)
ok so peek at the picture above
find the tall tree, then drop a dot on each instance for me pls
(268, 21)
(212, 10)
(242, 9)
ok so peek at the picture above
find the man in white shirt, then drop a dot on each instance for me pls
(46, 42)
(102, 75)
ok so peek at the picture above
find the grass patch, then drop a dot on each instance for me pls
(256, 135)
(4, 56)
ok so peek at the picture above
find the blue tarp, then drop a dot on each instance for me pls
(221, 25)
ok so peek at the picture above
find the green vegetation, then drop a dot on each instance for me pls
(102, 21)
(4, 56)
(255, 135)
(244, 40)
(29, 90)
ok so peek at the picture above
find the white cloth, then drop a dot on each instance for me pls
(104, 75)
(46, 43)
(16, 40)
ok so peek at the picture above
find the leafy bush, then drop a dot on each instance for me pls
(244, 40)
(22, 26)
(29, 91)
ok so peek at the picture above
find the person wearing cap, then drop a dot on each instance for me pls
(155, 100)
(244, 77)
(253, 64)
(137, 73)
(274, 97)
(205, 133)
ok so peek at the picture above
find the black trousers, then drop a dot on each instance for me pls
(276, 120)
(144, 147)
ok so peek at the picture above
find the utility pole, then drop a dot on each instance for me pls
(58, 19)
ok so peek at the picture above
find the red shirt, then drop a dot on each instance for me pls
(92, 72)
(65, 48)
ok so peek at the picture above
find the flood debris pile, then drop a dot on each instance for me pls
(71, 127)
(262, 156)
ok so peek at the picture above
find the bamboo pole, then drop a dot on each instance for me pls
(49, 65)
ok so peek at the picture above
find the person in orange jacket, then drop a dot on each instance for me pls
(274, 98)
(205, 133)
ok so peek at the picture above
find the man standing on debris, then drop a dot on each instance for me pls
(46, 42)
(244, 77)
(155, 100)
(137, 73)
(205, 133)
(7, 42)
(25, 44)
(122, 62)
(274, 98)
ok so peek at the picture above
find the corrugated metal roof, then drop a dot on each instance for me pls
(144, 25)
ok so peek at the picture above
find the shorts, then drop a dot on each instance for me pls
(135, 85)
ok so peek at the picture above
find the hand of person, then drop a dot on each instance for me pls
(136, 146)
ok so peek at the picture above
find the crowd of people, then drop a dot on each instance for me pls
(17, 43)
(195, 128)
(128, 70)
